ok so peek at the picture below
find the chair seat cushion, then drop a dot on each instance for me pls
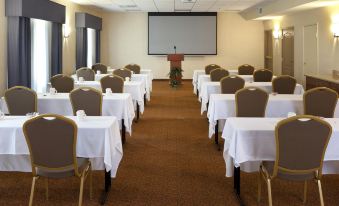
(83, 164)
(269, 166)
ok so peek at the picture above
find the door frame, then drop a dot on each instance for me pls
(317, 69)
(282, 47)
(270, 31)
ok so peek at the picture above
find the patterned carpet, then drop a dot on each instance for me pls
(168, 161)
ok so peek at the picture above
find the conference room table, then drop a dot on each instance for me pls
(145, 78)
(98, 139)
(248, 141)
(142, 71)
(222, 106)
(209, 88)
(118, 105)
(207, 78)
(136, 89)
(197, 73)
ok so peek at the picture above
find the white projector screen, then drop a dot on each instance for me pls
(191, 33)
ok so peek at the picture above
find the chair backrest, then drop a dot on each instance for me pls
(123, 73)
(51, 140)
(134, 68)
(231, 84)
(86, 73)
(262, 75)
(251, 102)
(284, 84)
(99, 67)
(320, 101)
(307, 132)
(217, 74)
(87, 99)
(21, 100)
(62, 83)
(245, 69)
(211, 67)
(114, 82)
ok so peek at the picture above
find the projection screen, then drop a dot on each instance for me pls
(191, 33)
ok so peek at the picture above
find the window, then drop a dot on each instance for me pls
(91, 47)
(40, 54)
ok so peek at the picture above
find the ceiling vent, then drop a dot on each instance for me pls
(188, 1)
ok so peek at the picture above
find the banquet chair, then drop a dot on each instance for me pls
(86, 73)
(292, 163)
(114, 82)
(52, 141)
(134, 68)
(62, 83)
(217, 74)
(99, 67)
(251, 102)
(231, 84)
(284, 84)
(320, 101)
(245, 69)
(87, 99)
(21, 100)
(262, 75)
(123, 73)
(211, 67)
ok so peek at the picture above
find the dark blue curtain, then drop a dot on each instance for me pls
(56, 58)
(81, 47)
(19, 51)
(97, 44)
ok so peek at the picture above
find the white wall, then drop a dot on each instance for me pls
(125, 35)
(328, 48)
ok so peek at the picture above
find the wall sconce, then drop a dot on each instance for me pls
(276, 34)
(66, 31)
(335, 30)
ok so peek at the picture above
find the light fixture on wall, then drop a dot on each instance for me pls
(66, 30)
(277, 32)
(335, 30)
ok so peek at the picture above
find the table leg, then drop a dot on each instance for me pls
(107, 189)
(145, 99)
(216, 133)
(236, 185)
(138, 113)
(197, 93)
(123, 131)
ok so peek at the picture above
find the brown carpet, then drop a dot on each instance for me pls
(168, 161)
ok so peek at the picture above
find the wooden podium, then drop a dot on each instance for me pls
(175, 62)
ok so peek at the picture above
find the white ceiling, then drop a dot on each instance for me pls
(172, 5)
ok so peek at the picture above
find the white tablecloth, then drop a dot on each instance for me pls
(136, 89)
(197, 73)
(117, 105)
(209, 88)
(142, 71)
(248, 141)
(222, 107)
(207, 78)
(98, 139)
(145, 78)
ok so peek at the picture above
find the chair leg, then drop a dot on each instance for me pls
(320, 193)
(46, 183)
(90, 183)
(81, 189)
(32, 191)
(269, 191)
(259, 187)
(305, 192)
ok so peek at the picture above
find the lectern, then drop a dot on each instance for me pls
(175, 60)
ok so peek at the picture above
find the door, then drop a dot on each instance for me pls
(310, 50)
(288, 52)
(268, 50)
